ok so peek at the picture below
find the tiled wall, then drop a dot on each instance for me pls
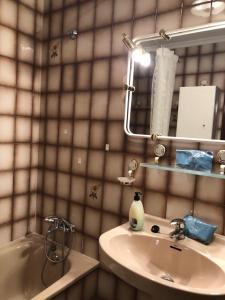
(20, 52)
(82, 107)
(82, 111)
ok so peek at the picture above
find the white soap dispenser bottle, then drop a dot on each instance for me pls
(136, 214)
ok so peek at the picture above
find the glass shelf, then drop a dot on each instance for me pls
(173, 168)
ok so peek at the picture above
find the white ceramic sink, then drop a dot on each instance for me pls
(164, 269)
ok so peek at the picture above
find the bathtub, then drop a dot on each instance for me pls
(21, 263)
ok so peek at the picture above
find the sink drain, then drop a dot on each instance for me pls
(167, 277)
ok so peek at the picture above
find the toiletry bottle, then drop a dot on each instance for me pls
(136, 214)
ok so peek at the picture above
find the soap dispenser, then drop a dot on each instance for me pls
(136, 213)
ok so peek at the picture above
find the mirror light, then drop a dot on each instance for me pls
(202, 7)
(139, 55)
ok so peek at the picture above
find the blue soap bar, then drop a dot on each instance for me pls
(198, 230)
(194, 159)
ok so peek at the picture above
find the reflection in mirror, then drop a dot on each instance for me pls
(198, 109)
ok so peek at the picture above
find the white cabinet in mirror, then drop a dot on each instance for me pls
(180, 95)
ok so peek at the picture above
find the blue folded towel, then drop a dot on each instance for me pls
(194, 159)
(198, 230)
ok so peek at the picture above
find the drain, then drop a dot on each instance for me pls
(167, 277)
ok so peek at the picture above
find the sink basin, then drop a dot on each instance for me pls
(164, 269)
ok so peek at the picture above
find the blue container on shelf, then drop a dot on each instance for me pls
(194, 160)
(199, 230)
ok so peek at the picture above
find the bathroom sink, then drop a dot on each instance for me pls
(157, 265)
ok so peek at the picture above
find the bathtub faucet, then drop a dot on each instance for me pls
(59, 223)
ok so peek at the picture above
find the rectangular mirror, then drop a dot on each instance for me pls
(180, 95)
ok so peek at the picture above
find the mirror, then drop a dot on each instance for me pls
(197, 108)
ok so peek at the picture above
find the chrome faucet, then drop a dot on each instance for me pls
(178, 233)
(57, 223)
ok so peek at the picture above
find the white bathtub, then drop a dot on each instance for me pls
(21, 263)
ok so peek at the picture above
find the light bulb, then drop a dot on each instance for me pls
(145, 59)
(136, 54)
(142, 57)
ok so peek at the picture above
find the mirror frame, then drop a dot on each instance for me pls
(183, 37)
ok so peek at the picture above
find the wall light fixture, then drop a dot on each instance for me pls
(139, 54)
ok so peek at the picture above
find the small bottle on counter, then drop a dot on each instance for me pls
(136, 213)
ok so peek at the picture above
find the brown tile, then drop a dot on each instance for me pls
(8, 19)
(102, 42)
(26, 16)
(50, 155)
(19, 229)
(68, 50)
(22, 155)
(94, 193)
(24, 103)
(7, 42)
(91, 247)
(82, 127)
(56, 19)
(26, 48)
(20, 207)
(63, 185)
(6, 129)
(115, 136)
(54, 78)
(65, 133)
(123, 10)
(96, 163)
(210, 213)
(155, 204)
(70, 19)
(99, 105)
(178, 207)
(109, 221)
(106, 283)
(25, 76)
(78, 189)
(7, 72)
(84, 76)
(111, 197)
(114, 163)
(86, 15)
(68, 78)
(76, 215)
(210, 190)
(79, 161)
(124, 291)
(182, 185)
(92, 222)
(97, 135)
(5, 206)
(142, 8)
(64, 155)
(7, 100)
(61, 209)
(84, 46)
(103, 12)
(100, 74)
(21, 182)
(23, 129)
(82, 105)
